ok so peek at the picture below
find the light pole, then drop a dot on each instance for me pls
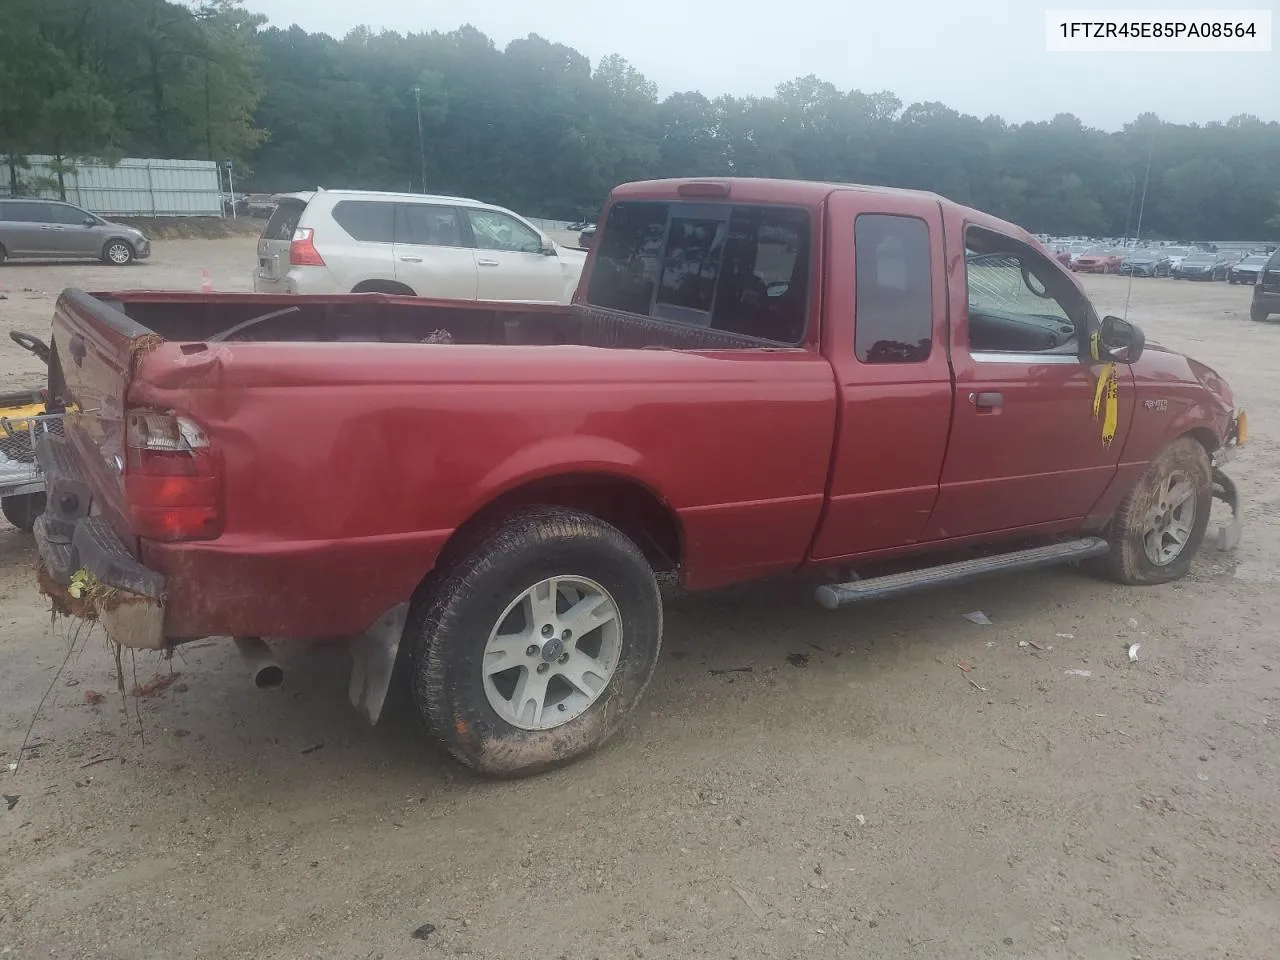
(422, 143)
(231, 186)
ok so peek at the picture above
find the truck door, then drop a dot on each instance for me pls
(885, 334)
(1025, 448)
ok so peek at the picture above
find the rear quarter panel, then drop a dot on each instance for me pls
(347, 466)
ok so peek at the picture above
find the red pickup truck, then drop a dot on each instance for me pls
(756, 378)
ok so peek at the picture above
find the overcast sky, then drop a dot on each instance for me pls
(978, 56)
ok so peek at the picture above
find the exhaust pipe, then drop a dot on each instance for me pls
(267, 674)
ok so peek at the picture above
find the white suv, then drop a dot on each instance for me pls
(358, 241)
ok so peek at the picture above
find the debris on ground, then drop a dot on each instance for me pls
(424, 931)
(93, 698)
(976, 685)
(1079, 673)
(155, 685)
(752, 904)
(1133, 622)
(862, 821)
(312, 747)
(1065, 636)
(721, 672)
(10, 800)
(798, 659)
(978, 617)
(94, 761)
(1133, 652)
(963, 666)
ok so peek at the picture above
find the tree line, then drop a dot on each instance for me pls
(537, 127)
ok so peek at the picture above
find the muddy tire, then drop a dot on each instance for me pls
(533, 648)
(22, 509)
(1161, 523)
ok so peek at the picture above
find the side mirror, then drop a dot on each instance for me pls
(548, 249)
(1120, 341)
(90, 221)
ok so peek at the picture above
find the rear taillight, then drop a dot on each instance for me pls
(302, 249)
(172, 483)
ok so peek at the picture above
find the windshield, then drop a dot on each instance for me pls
(1199, 258)
(1175, 251)
(1254, 260)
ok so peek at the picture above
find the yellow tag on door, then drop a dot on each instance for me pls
(1107, 393)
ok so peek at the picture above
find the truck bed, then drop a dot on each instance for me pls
(382, 318)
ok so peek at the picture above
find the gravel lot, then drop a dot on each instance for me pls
(868, 801)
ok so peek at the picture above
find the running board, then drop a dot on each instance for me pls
(948, 574)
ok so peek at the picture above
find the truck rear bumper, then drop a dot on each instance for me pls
(87, 573)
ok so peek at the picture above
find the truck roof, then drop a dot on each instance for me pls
(805, 193)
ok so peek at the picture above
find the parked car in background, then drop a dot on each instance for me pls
(357, 241)
(1247, 270)
(1176, 255)
(1099, 260)
(587, 236)
(579, 225)
(1266, 292)
(1151, 262)
(56, 230)
(1200, 265)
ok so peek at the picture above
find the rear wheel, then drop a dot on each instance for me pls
(22, 509)
(537, 644)
(1162, 521)
(117, 253)
(1257, 314)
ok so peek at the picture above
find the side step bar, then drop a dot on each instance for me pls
(837, 595)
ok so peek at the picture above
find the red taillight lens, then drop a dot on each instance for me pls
(302, 249)
(172, 482)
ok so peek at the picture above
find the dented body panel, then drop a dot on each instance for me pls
(345, 450)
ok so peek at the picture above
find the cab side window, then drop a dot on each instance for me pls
(893, 319)
(1018, 301)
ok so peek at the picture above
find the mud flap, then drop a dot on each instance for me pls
(1224, 489)
(373, 661)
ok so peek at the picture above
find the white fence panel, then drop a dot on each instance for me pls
(138, 187)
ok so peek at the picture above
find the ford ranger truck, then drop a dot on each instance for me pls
(756, 378)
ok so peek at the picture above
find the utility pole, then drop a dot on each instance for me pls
(422, 143)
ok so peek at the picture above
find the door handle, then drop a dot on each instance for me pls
(410, 259)
(986, 401)
(487, 263)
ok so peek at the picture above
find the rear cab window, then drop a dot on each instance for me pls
(740, 268)
(894, 290)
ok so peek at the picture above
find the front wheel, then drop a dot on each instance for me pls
(1162, 521)
(537, 644)
(118, 253)
(1257, 314)
(22, 509)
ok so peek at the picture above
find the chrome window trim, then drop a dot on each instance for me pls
(983, 356)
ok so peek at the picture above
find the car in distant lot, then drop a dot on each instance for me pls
(587, 236)
(1200, 265)
(1176, 255)
(450, 248)
(1098, 260)
(1147, 263)
(1266, 292)
(1247, 270)
(579, 225)
(56, 230)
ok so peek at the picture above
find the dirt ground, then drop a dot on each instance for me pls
(849, 792)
